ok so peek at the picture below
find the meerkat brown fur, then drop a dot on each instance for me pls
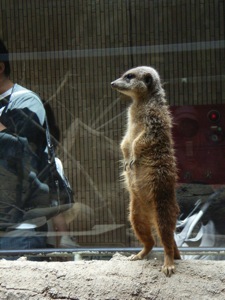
(149, 163)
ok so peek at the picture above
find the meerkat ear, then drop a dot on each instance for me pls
(148, 79)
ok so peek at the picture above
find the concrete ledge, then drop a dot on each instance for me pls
(116, 279)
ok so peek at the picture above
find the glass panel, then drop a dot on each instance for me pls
(68, 52)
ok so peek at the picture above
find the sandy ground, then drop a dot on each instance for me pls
(116, 279)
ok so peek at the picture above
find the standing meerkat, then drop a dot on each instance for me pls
(150, 171)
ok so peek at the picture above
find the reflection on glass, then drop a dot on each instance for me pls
(69, 56)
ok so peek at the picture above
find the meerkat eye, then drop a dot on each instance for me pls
(129, 76)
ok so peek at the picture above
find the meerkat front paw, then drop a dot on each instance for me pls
(132, 162)
(126, 164)
(129, 164)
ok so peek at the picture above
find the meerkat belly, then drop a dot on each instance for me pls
(140, 179)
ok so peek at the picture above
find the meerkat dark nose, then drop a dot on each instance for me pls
(112, 83)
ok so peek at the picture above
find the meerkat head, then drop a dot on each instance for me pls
(140, 82)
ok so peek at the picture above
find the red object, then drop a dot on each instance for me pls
(199, 136)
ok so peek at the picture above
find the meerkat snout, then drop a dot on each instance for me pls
(113, 84)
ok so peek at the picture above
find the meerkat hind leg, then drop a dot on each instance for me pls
(176, 251)
(167, 239)
(142, 229)
(141, 254)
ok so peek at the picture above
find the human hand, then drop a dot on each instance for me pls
(2, 127)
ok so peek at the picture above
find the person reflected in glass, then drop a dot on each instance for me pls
(58, 223)
(22, 148)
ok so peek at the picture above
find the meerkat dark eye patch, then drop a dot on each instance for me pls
(148, 79)
(129, 76)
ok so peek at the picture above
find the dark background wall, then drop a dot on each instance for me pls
(69, 52)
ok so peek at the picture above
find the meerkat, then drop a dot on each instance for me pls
(150, 171)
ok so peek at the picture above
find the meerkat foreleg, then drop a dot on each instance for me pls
(125, 148)
(138, 146)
